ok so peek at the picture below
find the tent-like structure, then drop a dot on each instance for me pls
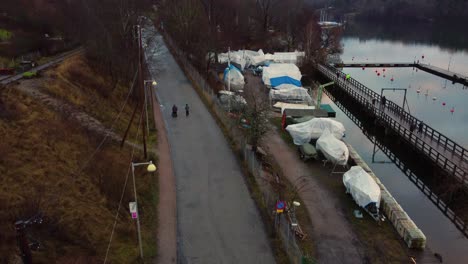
(281, 73)
(304, 132)
(235, 76)
(362, 187)
(291, 95)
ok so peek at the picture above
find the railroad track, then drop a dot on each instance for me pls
(58, 59)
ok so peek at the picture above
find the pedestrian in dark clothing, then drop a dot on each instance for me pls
(174, 111)
(420, 127)
(412, 127)
(187, 110)
(383, 101)
(373, 101)
(337, 74)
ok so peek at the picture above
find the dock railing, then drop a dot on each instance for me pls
(364, 95)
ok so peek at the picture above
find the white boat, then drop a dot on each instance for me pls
(363, 189)
(313, 129)
(332, 148)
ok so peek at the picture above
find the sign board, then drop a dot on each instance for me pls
(133, 209)
(280, 206)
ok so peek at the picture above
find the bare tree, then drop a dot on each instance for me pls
(312, 43)
(265, 10)
(256, 113)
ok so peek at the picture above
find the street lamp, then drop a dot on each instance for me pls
(154, 83)
(150, 168)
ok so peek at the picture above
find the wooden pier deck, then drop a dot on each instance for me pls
(447, 154)
(452, 76)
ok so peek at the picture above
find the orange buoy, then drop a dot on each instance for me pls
(383, 70)
(452, 110)
(443, 103)
(422, 56)
(363, 68)
(378, 74)
(391, 79)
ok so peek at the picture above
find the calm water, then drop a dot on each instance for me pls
(442, 236)
(434, 92)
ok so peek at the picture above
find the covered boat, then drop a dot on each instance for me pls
(363, 189)
(281, 73)
(235, 77)
(314, 128)
(332, 148)
(291, 95)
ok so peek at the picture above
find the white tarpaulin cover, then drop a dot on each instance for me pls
(361, 186)
(287, 57)
(236, 77)
(302, 133)
(284, 86)
(280, 73)
(333, 149)
(282, 106)
(291, 94)
(244, 58)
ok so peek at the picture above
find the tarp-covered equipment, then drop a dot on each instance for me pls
(332, 148)
(313, 129)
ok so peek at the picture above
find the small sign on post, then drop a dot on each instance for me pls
(133, 209)
(280, 206)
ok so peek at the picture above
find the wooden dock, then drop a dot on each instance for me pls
(447, 154)
(454, 77)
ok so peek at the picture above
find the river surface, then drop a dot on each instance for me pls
(439, 103)
(361, 45)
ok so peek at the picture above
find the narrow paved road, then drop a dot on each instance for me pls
(217, 219)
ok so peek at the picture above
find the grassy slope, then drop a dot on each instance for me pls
(41, 154)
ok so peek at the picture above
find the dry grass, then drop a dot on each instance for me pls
(41, 156)
(78, 83)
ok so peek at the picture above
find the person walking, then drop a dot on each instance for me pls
(187, 110)
(174, 111)
(383, 101)
(420, 127)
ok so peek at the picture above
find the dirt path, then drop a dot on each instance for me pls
(33, 88)
(334, 238)
(167, 216)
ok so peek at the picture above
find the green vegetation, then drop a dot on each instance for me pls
(30, 74)
(5, 34)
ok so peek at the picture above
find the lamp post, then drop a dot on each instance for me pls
(151, 168)
(153, 83)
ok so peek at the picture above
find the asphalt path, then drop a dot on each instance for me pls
(217, 219)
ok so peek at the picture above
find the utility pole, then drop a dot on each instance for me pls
(142, 93)
(229, 78)
(23, 243)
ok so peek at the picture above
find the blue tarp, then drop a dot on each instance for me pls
(284, 80)
(232, 68)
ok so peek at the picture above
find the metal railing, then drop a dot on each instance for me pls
(365, 95)
(433, 197)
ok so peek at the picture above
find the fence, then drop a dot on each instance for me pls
(254, 165)
(434, 198)
(363, 95)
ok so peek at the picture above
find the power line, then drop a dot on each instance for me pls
(123, 190)
(110, 129)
